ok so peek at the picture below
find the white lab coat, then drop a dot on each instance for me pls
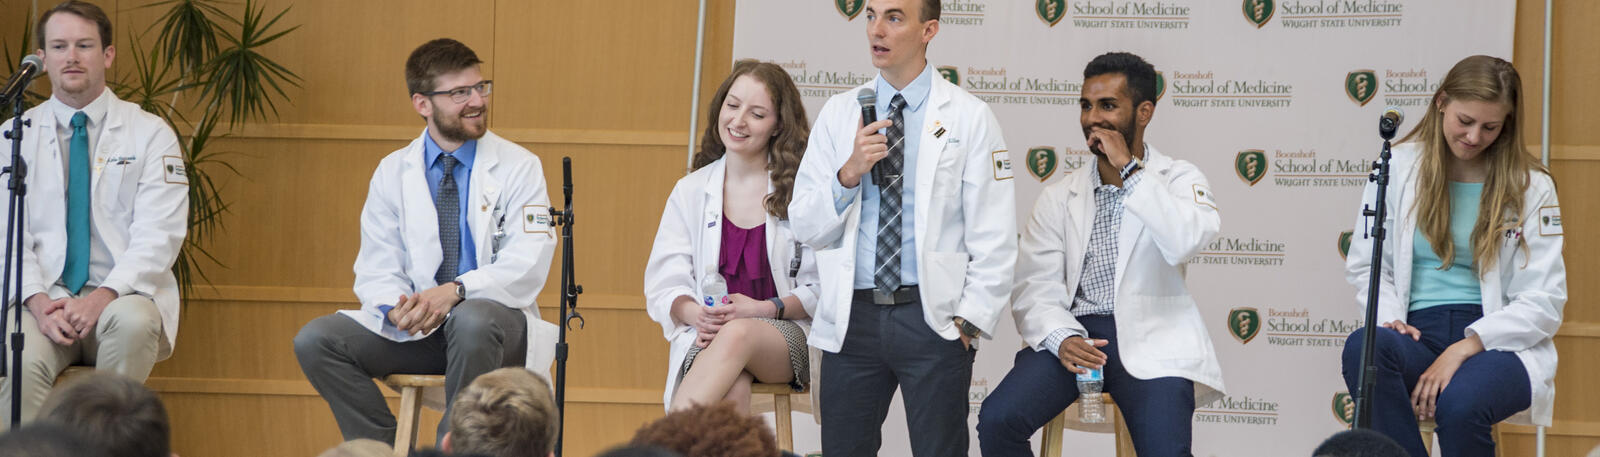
(140, 204)
(510, 224)
(688, 246)
(1523, 293)
(965, 227)
(1168, 216)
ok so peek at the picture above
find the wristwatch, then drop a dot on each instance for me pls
(966, 327)
(1134, 164)
(461, 289)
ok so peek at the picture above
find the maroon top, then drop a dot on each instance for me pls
(744, 261)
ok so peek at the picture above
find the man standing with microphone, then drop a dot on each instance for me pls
(916, 261)
(107, 211)
(1100, 280)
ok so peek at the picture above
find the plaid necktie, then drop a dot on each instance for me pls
(448, 204)
(887, 276)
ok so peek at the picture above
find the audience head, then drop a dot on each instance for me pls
(116, 412)
(508, 412)
(1359, 443)
(637, 451)
(710, 431)
(44, 439)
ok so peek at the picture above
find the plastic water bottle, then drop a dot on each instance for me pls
(1090, 409)
(714, 289)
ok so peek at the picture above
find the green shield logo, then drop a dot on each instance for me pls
(849, 8)
(171, 170)
(1361, 86)
(1344, 408)
(1161, 85)
(1244, 324)
(1042, 162)
(1251, 165)
(1051, 11)
(951, 74)
(1258, 12)
(1344, 242)
(530, 218)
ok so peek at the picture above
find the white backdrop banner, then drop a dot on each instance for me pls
(1276, 101)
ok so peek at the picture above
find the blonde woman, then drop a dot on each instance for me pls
(1473, 282)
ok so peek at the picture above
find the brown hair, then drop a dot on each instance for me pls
(504, 413)
(120, 414)
(931, 10)
(436, 58)
(84, 10)
(785, 149)
(1486, 79)
(717, 430)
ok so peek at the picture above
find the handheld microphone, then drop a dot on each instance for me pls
(29, 69)
(1390, 121)
(868, 99)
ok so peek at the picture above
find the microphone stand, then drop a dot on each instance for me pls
(1377, 212)
(12, 284)
(569, 296)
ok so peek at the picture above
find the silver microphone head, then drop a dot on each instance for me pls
(32, 59)
(867, 97)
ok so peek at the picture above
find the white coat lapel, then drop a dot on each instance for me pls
(420, 218)
(779, 250)
(1081, 204)
(485, 204)
(108, 148)
(929, 150)
(710, 250)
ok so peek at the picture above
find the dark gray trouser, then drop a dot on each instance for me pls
(341, 358)
(889, 346)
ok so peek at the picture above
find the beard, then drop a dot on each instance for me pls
(454, 129)
(1126, 130)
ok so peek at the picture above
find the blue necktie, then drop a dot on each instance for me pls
(76, 272)
(448, 205)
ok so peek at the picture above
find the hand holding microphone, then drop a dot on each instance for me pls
(869, 146)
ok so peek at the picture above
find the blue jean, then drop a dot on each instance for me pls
(1158, 411)
(1486, 389)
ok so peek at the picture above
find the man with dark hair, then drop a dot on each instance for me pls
(913, 219)
(1103, 255)
(455, 243)
(1359, 443)
(117, 413)
(108, 206)
(508, 412)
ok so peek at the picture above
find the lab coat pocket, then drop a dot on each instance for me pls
(834, 268)
(1163, 323)
(119, 181)
(944, 278)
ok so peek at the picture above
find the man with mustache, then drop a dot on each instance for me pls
(107, 211)
(455, 243)
(1100, 280)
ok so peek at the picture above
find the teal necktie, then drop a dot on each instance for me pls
(77, 270)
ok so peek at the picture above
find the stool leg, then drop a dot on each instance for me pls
(1124, 439)
(782, 414)
(405, 436)
(1427, 440)
(1050, 439)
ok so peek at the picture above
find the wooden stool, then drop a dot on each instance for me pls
(1426, 426)
(781, 410)
(410, 387)
(1050, 442)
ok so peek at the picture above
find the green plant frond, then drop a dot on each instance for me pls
(30, 97)
(188, 31)
(245, 81)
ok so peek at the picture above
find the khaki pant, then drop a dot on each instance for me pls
(127, 340)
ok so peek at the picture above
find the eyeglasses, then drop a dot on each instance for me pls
(461, 94)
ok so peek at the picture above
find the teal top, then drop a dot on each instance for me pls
(1431, 286)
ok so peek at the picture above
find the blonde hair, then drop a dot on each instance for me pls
(1485, 79)
(504, 413)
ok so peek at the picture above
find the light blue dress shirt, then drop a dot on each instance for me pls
(916, 97)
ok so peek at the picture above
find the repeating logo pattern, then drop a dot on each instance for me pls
(1250, 165)
(1361, 86)
(1244, 324)
(1042, 162)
